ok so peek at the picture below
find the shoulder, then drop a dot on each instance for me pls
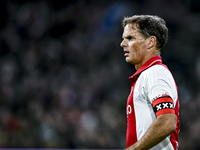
(157, 71)
(158, 76)
(159, 81)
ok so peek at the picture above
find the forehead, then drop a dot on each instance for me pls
(130, 29)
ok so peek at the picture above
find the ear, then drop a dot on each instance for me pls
(151, 42)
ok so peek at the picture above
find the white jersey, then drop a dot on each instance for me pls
(150, 83)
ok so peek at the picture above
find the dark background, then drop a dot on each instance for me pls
(64, 79)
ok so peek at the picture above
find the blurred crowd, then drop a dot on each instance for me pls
(64, 79)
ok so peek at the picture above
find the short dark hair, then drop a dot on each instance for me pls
(150, 25)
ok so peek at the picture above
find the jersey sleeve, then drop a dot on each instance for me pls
(161, 90)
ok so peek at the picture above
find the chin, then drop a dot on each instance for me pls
(128, 60)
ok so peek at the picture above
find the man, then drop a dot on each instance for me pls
(152, 106)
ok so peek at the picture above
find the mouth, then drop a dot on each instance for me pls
(126, 53)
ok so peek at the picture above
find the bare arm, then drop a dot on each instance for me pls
(162, 127)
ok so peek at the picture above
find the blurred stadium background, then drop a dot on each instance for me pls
(64, 79)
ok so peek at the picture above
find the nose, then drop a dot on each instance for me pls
(123, 43)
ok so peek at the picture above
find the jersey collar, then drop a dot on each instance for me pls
(151, 62)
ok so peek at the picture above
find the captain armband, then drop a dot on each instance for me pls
(163, 105)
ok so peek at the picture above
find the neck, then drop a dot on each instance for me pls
(153, 54)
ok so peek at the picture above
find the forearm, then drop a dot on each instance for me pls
(158, 131)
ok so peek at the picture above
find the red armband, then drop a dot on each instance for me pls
(163, 105)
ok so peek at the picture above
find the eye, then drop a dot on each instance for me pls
(129, 38)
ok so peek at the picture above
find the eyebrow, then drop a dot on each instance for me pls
(127, 36)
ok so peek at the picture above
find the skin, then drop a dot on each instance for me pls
(138, 50)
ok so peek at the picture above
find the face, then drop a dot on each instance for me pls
(134, 45)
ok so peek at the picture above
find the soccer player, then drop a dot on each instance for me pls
(153, 105)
